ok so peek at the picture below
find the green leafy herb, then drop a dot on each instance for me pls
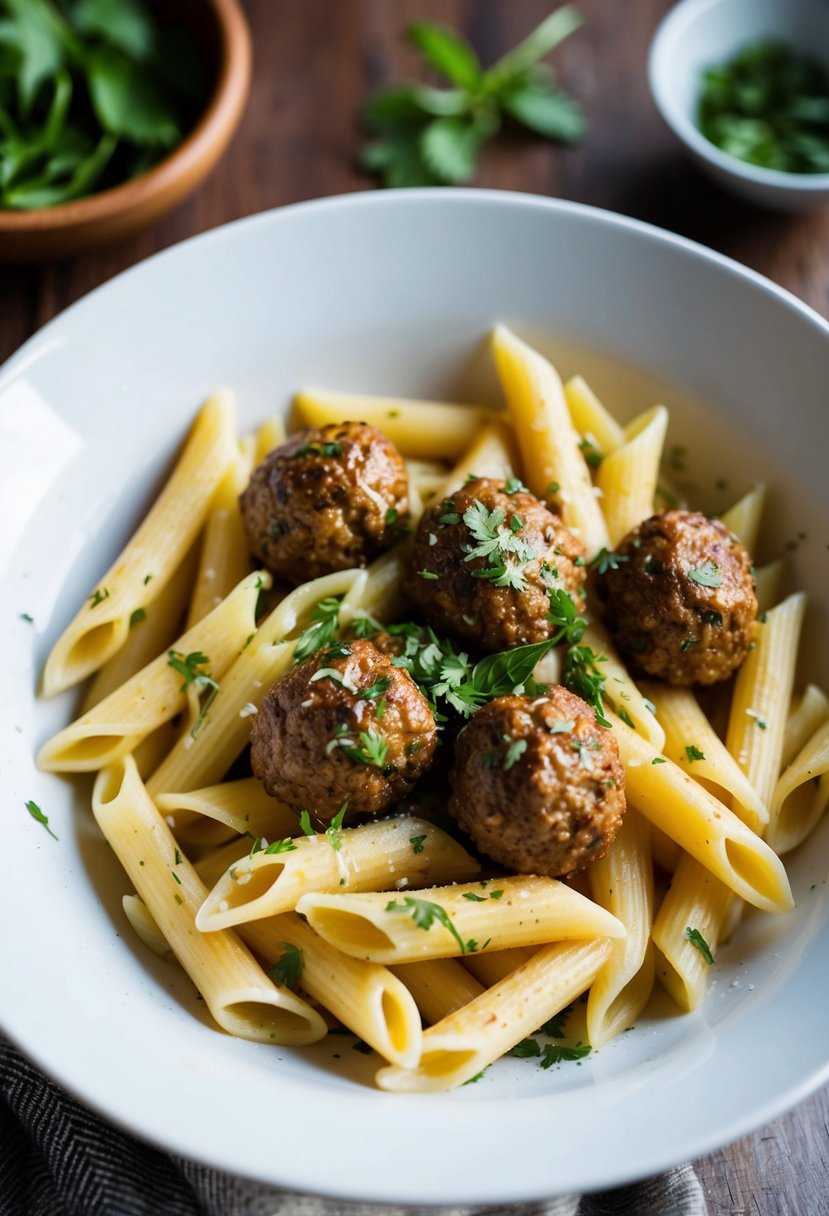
(429, 575)
(659, 760)
(147, 579)
(332, 832)
(325, 622)
(424, 914)
(498, 544)
(136, 617)
(768, 105)
(25, 616)
(376, 690)
(712, 618)
(92, 93)
(554, 1026)
(371, 749)
(687, 643)
(554, 1054)
(98, 596)
(514, 486)
(514, 753)
(696, 939)
(189, 666)
(305, 823)
(708, 575)
(427, 136)
(281, 846)
(604, 561)
(287, 970)
(591, 453)
(417, 843)
(37, 814)
(527, 1049)
(176, 878)
(693, 753)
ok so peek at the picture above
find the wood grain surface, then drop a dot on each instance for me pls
(315, 62)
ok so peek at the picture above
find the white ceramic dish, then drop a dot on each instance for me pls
(387, 292)
(698, 34)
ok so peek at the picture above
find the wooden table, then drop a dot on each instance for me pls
(315, 62)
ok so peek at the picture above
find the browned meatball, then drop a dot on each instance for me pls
(680, 603)
(326, 500)
(538, 784)
(484, 561)
(343, 725)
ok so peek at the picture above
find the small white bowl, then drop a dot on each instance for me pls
(698, 34)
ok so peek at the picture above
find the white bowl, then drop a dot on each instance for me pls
(698, 34)
(389, 292)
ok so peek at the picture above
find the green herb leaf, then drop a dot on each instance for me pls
(551, 113)
(693, 753)
(696, 939)
(514, 753)
(554, 1054)
(37, 814)
(332, 832)
(287, 970)
(417, 843)
(126, 100)
(124, 24)
(552, 31)
(321, 632)
(281, 846)
(447, 53)
(708, 575)
(305, 823)
(137, 616)
(189, 666)
(449, 147)
(604, 561)
(424, 914)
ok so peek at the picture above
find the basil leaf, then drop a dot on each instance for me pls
(125, 24)
(546, 110)
(447, 53)
(126, 101)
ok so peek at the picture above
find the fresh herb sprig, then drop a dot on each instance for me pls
(424, 913)
(432, 136)
(92, 93)
(325, 623)
(190, 667)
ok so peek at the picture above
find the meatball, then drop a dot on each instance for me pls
(484, 562)
(326, 500)
(344, 725)
(679, 598)
(538, 784)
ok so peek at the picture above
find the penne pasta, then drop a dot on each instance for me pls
(620, 692)
(696, 902)
(143, 568)
(440, 922)
(622, 882)
(801, 795)
(547, 439)
(270, 435)
(590, 418)
(440, 986)
(156, 694)
(392, 853)
(743, 519)
(224, 559)
(809, 711)
(212, 815)
(768, 581)
(460, 1046)
(628, 475)
(240, 997)
(426, 430)
(701, 825)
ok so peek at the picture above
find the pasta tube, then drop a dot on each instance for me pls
(155, 694)
(373, 857)
(590, 417)
(143, 568)
(224, 559)
(627, 477)
(620, 691)
(809, 713)
(691, 742)
(441, 921)
(240, 997)
(461, 1045)
(696, 902)
(427, 430)
(622, 882)
(701, 825)
(743, 519)
(439, 986)
(365, 997)
(548, 441)
(213, 814)
(801, 795)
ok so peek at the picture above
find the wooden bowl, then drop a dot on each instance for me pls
(70, 228)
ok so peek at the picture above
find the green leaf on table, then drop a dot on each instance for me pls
(450, 147)
(447, 53)
(544, 38)
(547, 111)
(397, 158)
(126, 101)
(125, 24)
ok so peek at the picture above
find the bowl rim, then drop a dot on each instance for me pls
(786, 1095)
(667, 37)
(220, 115)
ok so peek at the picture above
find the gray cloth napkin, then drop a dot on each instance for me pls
(59, 1159)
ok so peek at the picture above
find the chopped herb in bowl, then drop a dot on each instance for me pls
(769, 106)
(92, 93)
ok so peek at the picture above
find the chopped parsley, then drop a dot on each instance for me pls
(498, 544)
(560, 727)
(24, 616)
(417, 843)
(305, 824)
(37, 814)
(554, 1054)
(592, 455)
(659, 760)
(98, 596)
(693, 753)
(147, 579)
(554, 1026)
(372, 748)
(429, 575)
(136, 617)
(708, 575)
(581, 672)
(696, 939)
(287, 970)
(687, 643)
(189, 666)
(514, 486)
(712, 618)
(376, 690)
(515, 751)
(604, 561)
(761, 722)
(325, 622)
(424, 914)
(332, 832)
(280, 846)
